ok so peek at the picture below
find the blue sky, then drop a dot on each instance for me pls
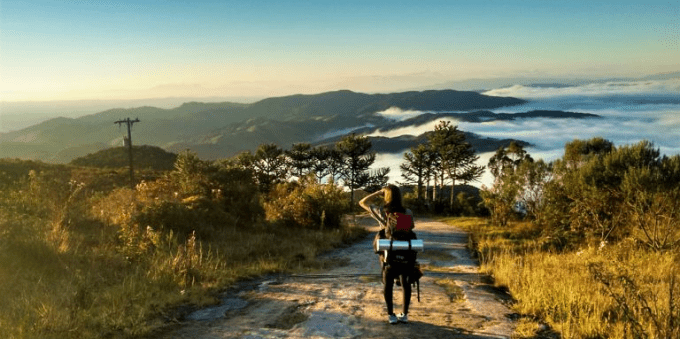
(62, 50)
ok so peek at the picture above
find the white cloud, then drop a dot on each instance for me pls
(658, 87)
(393, 160)
(411, 130)
(398, 114)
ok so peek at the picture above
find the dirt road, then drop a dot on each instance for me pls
(347, 302)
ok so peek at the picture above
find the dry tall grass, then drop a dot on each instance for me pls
(620, 290)
(80, 258)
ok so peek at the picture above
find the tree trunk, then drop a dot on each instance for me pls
(441, 188)
(434, 189)
(453, 184)
(427, 190)
(419, 190)
(351, 193)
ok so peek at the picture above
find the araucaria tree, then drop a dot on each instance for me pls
(358, 157)
(270, 165)
(319, 161)
(456, 156)
(417, 168)
(300, 159)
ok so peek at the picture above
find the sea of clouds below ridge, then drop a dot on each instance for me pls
(630, 111)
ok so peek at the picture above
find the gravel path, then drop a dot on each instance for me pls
(347, 302)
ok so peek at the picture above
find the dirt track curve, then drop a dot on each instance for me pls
(347, 301)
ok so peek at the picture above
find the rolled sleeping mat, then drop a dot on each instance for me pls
(384, 245)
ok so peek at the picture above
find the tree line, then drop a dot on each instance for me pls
(443, 162)
(348, 161)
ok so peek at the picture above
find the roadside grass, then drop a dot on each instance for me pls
(75, 265)
(612, 291)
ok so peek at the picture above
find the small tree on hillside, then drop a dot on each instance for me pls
(457, 157)
(244, 160)
(358, 157)
(534, 176)
(416, 169)
(270, 164)
(335, 163)
(300, 159)
(377, 179)
(577, 152)
(319, 161)
(190, 173)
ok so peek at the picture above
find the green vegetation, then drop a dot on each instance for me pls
(144, 157)
(446, 159)
(83, 256)
(589, 244)
(347, 162)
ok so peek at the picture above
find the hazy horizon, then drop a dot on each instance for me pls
(127, 50)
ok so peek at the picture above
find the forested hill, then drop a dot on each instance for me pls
(215, 130)
(144, 157)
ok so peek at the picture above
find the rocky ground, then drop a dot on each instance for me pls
(347, 302)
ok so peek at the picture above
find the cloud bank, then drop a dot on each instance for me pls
(631, 111)
(613, 88)
(398, 114)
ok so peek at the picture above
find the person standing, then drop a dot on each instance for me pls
(391, 204)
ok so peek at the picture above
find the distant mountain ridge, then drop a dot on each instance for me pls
(218, 130)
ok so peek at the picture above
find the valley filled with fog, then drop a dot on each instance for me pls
(631, 111)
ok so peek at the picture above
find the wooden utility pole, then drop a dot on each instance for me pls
(129, 124)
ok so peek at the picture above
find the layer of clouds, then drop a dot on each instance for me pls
(393, 160)
(613, 88)
(631, 112)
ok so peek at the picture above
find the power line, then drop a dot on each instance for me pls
(128, 141)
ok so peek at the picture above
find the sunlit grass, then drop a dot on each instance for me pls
(75, 265)
(561, 288)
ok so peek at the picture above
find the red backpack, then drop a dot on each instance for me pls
(399, 226)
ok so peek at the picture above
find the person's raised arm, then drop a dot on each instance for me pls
(364, 202)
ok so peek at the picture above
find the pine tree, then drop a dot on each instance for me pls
(319, 161)
(356, 151)
(416, 169)
(270, 165)
(457, 157)
(300, 159)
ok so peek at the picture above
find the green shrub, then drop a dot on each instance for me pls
(308, 204)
